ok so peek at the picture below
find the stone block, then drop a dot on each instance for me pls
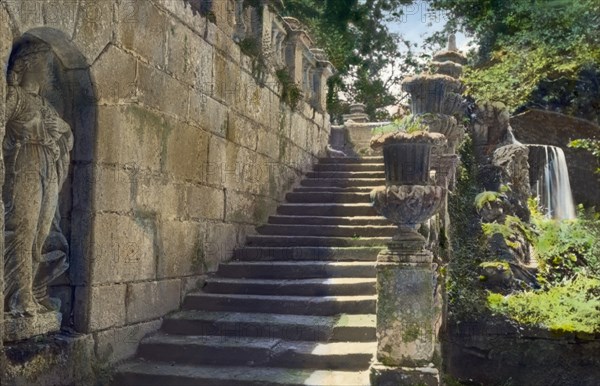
(160, 195)
(182, 252)
(403, 376)
(162, 92)
(94, 28)
(114, 76)
(117, 344)
(142, 28)
(123, 248)
(222, 84)
(60, 15)
(219, 243)
(217, 158)
(190, 58)
(57, 359)
(248, 208)
(113, 188)
(242, 131)
(224, 12)
(204, 202)
(187, 152)
(130, 135)
(208, 114)
(20, 328)
(405, 313)
(183, 11)
(191, 284)
(267, 143)
(234, 85)
(239, 168)
(151, 300)
(106, 306)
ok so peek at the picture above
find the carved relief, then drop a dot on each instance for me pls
(36, 154)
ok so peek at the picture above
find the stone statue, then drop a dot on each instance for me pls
(36, 156)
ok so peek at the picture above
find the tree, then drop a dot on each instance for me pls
(533, 53)
(361, 47)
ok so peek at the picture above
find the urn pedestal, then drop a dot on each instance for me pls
(408, 312)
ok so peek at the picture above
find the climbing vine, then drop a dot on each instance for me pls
(291, 93)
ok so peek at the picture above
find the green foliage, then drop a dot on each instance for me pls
(573, 306)
(408, 124)
(359, 44)
(512, 230)
(519, 43)
(466, 298)
(591, 145)
(291, 93)
(515, 75)
(565, 249)
(486, 197)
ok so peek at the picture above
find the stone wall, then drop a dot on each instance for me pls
(550, 128)
(497, 352)
(182, 146)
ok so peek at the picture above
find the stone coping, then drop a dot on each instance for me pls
(434, 139)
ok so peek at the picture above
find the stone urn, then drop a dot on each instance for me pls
(446, 125)
(428, 92)
(406, 156)
(408, 206)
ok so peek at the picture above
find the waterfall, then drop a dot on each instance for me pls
(549, 178)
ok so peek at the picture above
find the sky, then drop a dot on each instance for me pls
(418, 20)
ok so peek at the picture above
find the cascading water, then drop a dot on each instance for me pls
(549, 178)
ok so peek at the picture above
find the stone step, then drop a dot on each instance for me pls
(330, 220)
(342, 182)
(296, 269)
(298, 287)
(340, 328)
(331, 209)
(328, 197)
(349, 167)
(137, 373)
(248, 351)
(306, 253)
(352, 160)
(328, 230)
(315, 241)
(349, 175)
(334, 189)
(297, 305)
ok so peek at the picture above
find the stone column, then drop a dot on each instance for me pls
(323, 71)
(298, 43)
(408, 310)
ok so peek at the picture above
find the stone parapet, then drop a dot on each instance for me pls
(180, 148)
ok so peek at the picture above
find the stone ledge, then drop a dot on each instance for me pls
(21, 328)
(382, 375)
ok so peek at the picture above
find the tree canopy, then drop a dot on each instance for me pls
(360, 45)
(533, 53)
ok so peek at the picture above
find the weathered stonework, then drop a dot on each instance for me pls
(178, 152)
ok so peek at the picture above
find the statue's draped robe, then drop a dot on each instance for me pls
(36, 155)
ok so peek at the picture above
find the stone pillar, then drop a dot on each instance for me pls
(323, 71)
(298, 43)
(406, 315)
(408, 309)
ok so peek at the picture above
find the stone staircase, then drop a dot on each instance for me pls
(296, 305)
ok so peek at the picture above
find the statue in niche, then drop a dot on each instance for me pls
(36, 156)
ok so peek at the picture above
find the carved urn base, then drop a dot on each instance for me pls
(407, 206)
